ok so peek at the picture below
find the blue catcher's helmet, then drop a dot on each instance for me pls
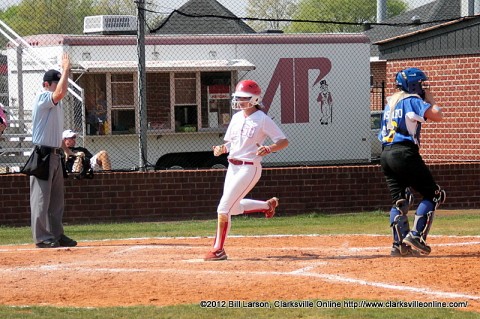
(410, 80)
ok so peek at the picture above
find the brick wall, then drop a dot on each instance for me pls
(181, 195)
(377, 79)
(377, 71)
(454, 81)
(158, 100)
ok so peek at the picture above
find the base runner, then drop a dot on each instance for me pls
(244, 139)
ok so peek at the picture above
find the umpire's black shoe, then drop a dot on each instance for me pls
(65, 241)
(49, 243)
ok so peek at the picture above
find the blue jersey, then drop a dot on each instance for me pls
(407, 119)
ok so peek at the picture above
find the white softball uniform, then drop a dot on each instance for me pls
(245, 167)
(244, 133)
(242, 136)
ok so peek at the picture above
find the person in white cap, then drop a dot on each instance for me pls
(99, 161)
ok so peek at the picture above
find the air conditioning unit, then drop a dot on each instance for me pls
(110, 24)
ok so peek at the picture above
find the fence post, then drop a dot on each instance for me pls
(142, 85)
(383, 95)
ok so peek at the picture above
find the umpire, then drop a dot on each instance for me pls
(402, 164)
(47, 194)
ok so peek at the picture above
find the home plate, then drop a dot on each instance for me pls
(198, 260)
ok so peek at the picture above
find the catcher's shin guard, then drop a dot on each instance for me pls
(404, 204)
(424, 209)
(422, 224)
(400, 228)
(398, 217)
(440, 196)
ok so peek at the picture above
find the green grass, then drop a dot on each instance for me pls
(195, 312)
(445, 223)
(462, 223)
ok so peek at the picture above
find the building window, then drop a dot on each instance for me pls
(122, 90)
(122, 120)
(176, 102)
(96, 102)
(109, 103)
(185, 88)
(186, 107)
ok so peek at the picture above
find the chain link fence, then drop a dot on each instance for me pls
(313, 66)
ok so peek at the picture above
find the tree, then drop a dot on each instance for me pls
(60, 16)
(115, 7)
(47, 16)
(270, 9)
(356, 11)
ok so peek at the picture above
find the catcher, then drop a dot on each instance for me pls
(402, 164)
(77, 156)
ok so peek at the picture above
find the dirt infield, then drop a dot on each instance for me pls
(170, 271)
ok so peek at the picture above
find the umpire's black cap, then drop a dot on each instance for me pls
(52, 76)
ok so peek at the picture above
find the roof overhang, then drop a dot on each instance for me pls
(376, 59)
(166, 66)
(427, 29)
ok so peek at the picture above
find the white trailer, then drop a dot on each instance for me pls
(315, 87)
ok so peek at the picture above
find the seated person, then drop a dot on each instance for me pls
(99, 161)
(96, 117)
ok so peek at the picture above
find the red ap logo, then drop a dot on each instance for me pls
(291, 75)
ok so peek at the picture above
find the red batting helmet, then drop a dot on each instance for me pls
(246, 88)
